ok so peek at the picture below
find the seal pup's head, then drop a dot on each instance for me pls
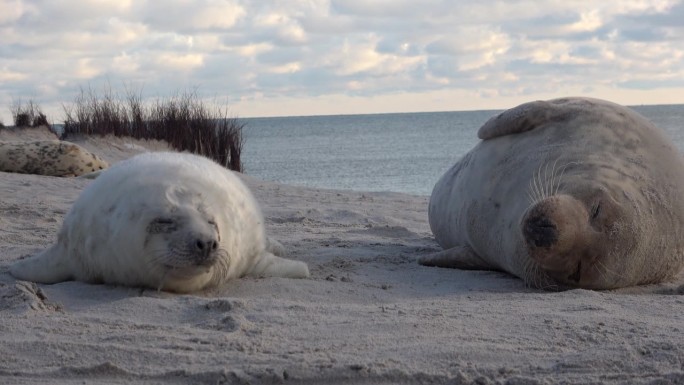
(183, 240)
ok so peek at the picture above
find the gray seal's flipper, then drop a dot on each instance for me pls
(457, 257)
(522, 118)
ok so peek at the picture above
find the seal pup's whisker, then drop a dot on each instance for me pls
(222, 267)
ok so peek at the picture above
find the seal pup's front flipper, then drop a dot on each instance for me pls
(457, 257)
(47, 267)
(275, 247)
(269, 265)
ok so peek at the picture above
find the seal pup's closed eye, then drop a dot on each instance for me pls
(169, 221)
(571, 192)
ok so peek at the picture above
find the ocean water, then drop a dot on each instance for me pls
(380, 152)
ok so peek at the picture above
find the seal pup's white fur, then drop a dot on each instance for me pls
(170, 221)
(571, 192)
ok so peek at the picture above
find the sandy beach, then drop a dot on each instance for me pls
(369, 313)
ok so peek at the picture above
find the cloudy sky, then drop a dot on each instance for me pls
(312, 57)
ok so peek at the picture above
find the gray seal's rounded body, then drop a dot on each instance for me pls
(571, 192)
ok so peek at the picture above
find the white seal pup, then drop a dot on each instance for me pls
(48, 157)
(170, 221)
(571, 192)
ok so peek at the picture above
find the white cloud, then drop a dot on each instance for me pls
(589, 21)
(385, 8)
(281, 28)
(188, 16)
(125, 32)
(125, 64)
(7, 75)
(639, 7)
(472, 46)
(251, 50)
(180, 62)
(85, 69)
(12, 10)
(292, 33)
(218, 15)
(286, 68)
(299, 51)
(350, 59)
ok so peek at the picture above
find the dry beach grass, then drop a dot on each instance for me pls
(182, 120)
(369, 313)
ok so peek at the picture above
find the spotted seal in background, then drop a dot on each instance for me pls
(48, 157)
(571, 192)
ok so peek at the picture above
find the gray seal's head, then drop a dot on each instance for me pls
(607, 207)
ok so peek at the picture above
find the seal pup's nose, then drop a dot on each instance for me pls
(204, 247)
(540, 231)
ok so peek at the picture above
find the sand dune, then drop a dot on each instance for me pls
(369, 313)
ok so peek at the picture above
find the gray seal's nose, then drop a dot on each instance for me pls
(540, 231)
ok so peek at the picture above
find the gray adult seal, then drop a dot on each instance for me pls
(571, 192)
